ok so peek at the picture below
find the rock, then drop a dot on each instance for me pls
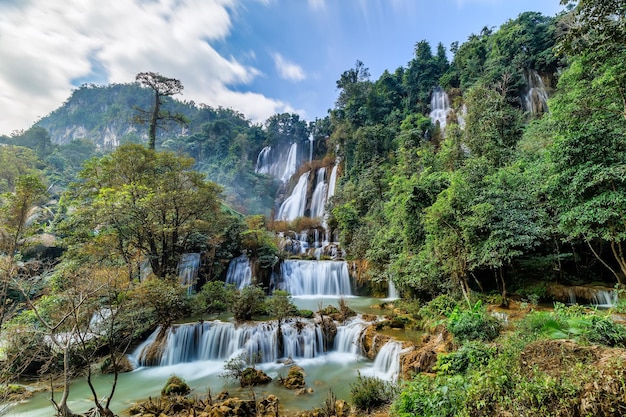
(369, 317)
(423, 359)
(268, 407)
(252, 377)
(295, 378)
(372, 342)
(329, 331)
(222, 396)
(123, 365)
(175, 386)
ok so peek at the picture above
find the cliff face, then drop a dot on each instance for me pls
(105, 115)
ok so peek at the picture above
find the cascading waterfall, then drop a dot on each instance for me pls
(387, 362)
(239, 272)
(315, 278)
(536, 97)
(301, 339)
(188, 269)
(605, 299)
(282, 166)
(293, 207)
(439, 107)
(319, 194)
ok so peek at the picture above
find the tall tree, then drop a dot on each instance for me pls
(162, 87)
(144, 202)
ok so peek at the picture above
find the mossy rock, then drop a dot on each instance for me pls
(175, 386)
(253, 377)
(295, 378)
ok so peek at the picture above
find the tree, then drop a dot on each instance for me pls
(248, 302)
(15, 210)
(162, 87)
(138, 203)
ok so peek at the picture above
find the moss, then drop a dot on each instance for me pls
(175, 386)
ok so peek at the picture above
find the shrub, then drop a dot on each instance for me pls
(370, 392)
(472, 355)
(175, 386)
(425, 396)
(247, 302)
(473, 324)
(306, 314)
(214, 297)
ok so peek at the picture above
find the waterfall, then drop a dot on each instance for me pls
(239, 272)
(319, 194)
(310, 278)
(293, 207)
(332, 182)
(536, 97)
(311, 140)
(604, 298)
(392, 292)
(220, 341)
(188, 269)
(387, 362)
(282, 166)
(439, 107)
(348, 337)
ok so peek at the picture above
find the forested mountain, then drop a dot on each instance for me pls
(491, 177)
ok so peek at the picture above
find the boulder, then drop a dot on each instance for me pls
(252, 377)
(295, 378)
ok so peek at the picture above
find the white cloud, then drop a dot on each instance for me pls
(46, 45)
(288, 70)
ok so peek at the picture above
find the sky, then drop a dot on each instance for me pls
(260, 57)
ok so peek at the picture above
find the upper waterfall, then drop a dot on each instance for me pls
(536, 97)
(280, 165)
(439, 107)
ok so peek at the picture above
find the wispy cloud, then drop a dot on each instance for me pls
(48, 46)
(288, 70)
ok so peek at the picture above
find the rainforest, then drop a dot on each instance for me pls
(447, 241)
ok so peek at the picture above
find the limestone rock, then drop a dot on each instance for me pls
(295, 378)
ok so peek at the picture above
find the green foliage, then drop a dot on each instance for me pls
(165, 300)
(470, 356)
(214, 297)
(280, 305)
(175, 386)
(368, 393)
(426, 396)
(473, 324)
(248, 302)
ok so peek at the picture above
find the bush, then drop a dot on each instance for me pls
(305, 314)
(247, 302)
(175, 386)
(472, 355)
(370, 392)
(425, 396)
(473, 324)
(214, 297)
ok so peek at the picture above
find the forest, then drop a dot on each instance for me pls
(485, 183)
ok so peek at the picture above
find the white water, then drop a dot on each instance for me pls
(188, 269)
(536, 97)
(600, 298)
(387, 362)
(392, 291)
(239, 272)
(318, 198)
(293, 207)
(315, 278)
(439, 107)
(281, 166)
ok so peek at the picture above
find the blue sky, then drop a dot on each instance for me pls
(257, 56)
